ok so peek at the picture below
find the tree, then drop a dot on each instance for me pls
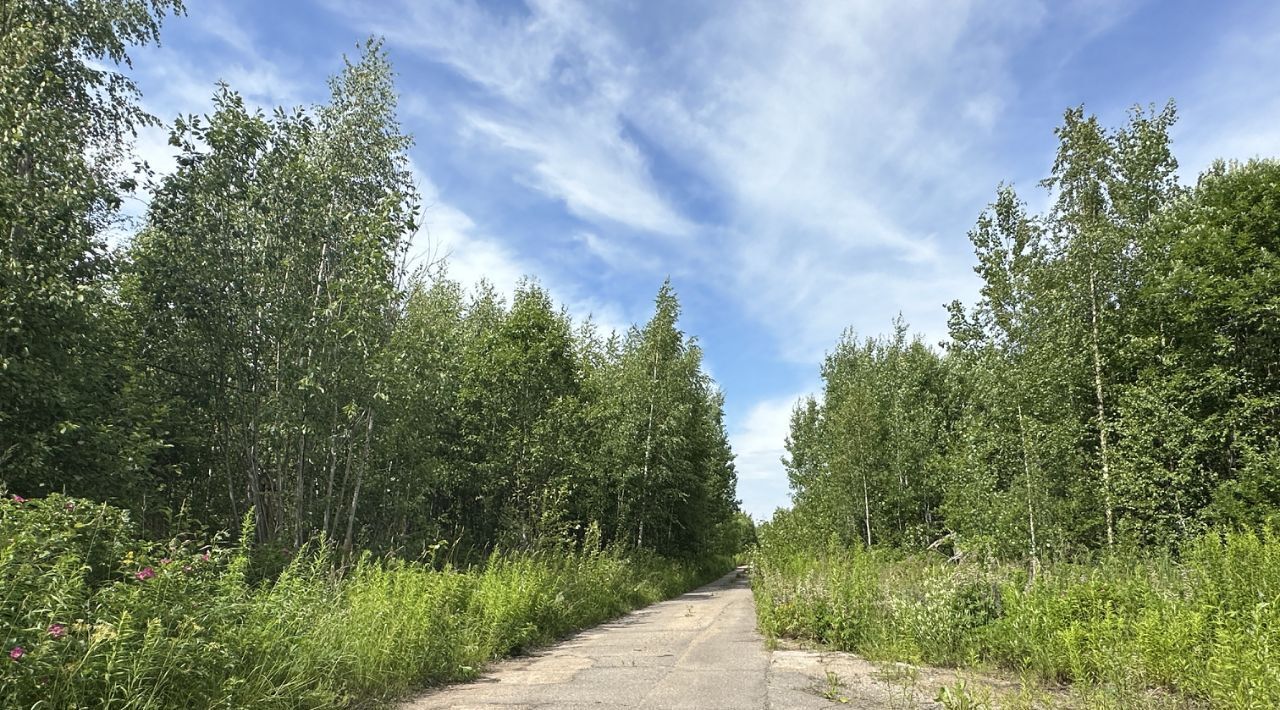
(1201, 417)
(68, 123)
(265, 282)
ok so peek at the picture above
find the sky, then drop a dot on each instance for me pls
(796, 169)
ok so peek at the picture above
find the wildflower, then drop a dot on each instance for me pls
(165, 561)
(70, 506)
(101, 632)
(17, 652)
(57, 630)
(18, 499)
(204, 557)
(186, 569)
(144, 574)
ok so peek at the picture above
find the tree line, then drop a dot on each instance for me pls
(257, 341)
(1116, 382)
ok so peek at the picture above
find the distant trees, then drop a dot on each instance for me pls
(259, 345)
(674, 481)
(1116, 379)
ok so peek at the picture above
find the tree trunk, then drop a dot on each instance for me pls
(648, 451)
(333, 469)
(1026, 473)
(1103, 443)
(866, 507)
(355, 496)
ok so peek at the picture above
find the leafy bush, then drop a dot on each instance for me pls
(1205, 625)
(93, 617)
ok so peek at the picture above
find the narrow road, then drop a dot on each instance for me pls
(700, 650)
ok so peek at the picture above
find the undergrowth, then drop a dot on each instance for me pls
(92, 616)
(1203, 627)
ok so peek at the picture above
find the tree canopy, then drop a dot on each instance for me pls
(1116, 380)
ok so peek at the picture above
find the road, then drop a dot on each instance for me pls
(699, 650)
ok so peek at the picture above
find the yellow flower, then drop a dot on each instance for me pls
(103, 631)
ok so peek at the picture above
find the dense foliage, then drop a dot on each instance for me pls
(94, 617)
(258, 344)
(1116, 382)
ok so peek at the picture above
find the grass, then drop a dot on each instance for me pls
(90, 616)
(1201, 629)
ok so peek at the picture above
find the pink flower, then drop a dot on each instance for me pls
(18, 499)
(165, 561)
(57, 630)
(70, 506)
(17, 652)
(144, 574)
(204, 557)
(186, 569)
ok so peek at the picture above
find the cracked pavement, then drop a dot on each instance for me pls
(699, 650)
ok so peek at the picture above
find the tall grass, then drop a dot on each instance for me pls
(92, 617)
(1205, 626)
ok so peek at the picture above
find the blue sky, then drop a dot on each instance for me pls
(795, 168)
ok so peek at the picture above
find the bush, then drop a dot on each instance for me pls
(94, 617)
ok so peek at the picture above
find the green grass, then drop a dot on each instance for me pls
(98, 630)
(1203, 628)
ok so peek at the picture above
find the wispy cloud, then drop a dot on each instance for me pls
(596, 173)
(470, 256)
(554, 82)
(823, 130)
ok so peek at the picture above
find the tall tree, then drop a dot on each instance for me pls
(266, 280)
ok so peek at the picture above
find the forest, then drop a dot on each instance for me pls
(1082, 482)
(242, 422)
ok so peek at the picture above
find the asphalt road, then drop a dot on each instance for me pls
(699, 650)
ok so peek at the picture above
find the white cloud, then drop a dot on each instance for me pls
(833, 130)
(593, 170)
(616, 253)
(759, 444)
(448, 234)
(829, 132)
(179, 82)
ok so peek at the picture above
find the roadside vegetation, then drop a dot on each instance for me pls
(1081, 483)
(96, 617)
(257, 449)
(1198, 629)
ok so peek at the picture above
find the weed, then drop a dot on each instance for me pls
(835, 689)
(960, 697)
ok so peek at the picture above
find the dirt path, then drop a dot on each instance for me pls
(699, 650)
